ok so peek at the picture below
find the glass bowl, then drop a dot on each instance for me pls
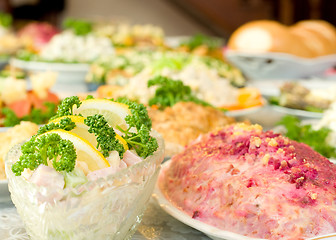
(107, 208)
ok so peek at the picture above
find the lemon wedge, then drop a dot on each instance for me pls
(93, 160)
(113, 112)
(82, 130)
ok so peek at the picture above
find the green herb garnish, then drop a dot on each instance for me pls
(37, 116)
(6, 20)
(80, 27)
(66, 107)
(43, 149)
(169, 92)
(174, 63)
(199, 40)
(105, 135)
(141, 141)
(65, 124)
(317, 139)
(274, 100)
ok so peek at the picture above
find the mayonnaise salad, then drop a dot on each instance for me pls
(205, 82)
(69, 47)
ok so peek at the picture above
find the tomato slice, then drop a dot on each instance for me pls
(38, 103)
(52, 98)
(21, 108)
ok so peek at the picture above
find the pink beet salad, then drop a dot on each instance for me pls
(255, 183)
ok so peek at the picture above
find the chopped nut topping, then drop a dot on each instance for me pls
(313, 196)
(256, 141)
(265, 159)
(273, 143)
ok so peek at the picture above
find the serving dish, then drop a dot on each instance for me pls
(68, 73)
(102, 208)
(279, 65)
(210, 231)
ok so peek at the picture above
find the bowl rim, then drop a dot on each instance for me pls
(280, 56)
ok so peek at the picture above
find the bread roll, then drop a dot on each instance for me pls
(307, 39)
(323, 30)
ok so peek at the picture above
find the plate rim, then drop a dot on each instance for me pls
(53, 66)
(282, 56)
(249, 110)
(296, 112)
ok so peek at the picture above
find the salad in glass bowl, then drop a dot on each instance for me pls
(89, 173)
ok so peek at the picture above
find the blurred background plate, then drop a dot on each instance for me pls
(70, 75)
(279, 65)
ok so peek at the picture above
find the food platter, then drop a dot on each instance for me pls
(279, 65)
(212, 232)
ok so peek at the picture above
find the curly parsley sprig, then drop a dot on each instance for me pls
(141, 141)
(44, 149)
(105, 135)
(169, 92)
(65, 123)
(66, 107)
(305, 133)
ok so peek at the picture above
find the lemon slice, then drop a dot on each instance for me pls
(86, 153)
(82, 130)
(113, 112)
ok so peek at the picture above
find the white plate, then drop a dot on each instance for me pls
(68, 73)
(4, 129)
(297, 112)
(211, 231)
(279, 65)
(4, 192)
